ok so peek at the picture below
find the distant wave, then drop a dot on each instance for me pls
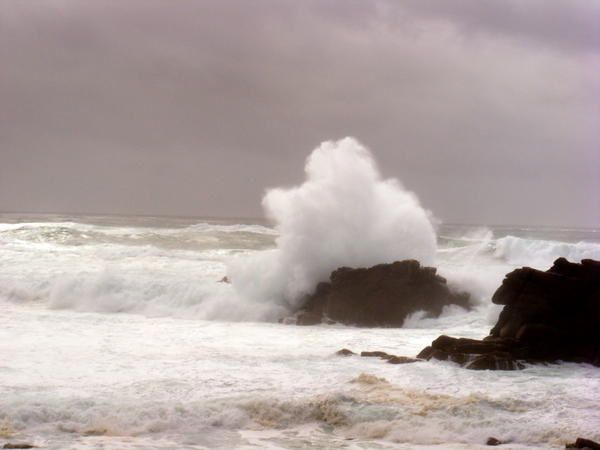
(535, 252)
(198, 237)
(32, 229)
(477, 262)
(514, 250)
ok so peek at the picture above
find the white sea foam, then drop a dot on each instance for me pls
(143, 380)
(166, 383)
(175, 272)
(137, 376)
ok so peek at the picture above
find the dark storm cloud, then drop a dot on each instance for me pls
(488, 110)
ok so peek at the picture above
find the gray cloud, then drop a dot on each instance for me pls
(572, 25)
(490, 113)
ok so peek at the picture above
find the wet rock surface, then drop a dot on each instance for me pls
(379, 296)
(547, 317)
(345, 352)
(392, 359)
(584, 444)
(474, 354)
(492, 441)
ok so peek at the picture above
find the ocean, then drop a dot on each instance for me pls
(115, 333)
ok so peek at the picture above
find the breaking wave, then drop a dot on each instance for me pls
(344, 214)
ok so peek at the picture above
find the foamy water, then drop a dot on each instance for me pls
(117, 334)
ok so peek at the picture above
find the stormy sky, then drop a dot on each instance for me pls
(489, 111)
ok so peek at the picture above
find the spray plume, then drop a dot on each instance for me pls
(343, 214)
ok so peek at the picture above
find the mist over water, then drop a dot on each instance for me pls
(343, 214)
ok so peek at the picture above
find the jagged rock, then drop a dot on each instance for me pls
(381, 295)
(584, 444)
(556, 313)
(548, 316)
(473, 354)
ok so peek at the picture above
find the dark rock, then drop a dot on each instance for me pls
(493, 441)
(555, 314)
(547, 317)
(494, 361)
(471, 346)
(376, 354)
(401, 360)
(392, 359)
(473, 354)
(18, 445)
(440, 354)
(381, 295)
(308, 318)
(426, 353)
(584, 443)
(345, 352)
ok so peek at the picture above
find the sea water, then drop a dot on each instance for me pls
(116, 333)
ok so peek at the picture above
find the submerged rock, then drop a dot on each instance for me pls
(345, 352)
(382, 295)
(375, 354)
(548, 316)
(392, 359)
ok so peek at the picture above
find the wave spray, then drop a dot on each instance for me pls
(343, 214)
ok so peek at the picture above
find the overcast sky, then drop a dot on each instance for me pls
(488, 110)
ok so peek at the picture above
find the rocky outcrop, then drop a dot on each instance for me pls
(380, 296)
(474, 354)
(584, 444)
(547, 316)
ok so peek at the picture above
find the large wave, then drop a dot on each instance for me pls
(344, 214)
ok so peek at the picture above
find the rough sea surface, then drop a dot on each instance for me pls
(115, 333)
